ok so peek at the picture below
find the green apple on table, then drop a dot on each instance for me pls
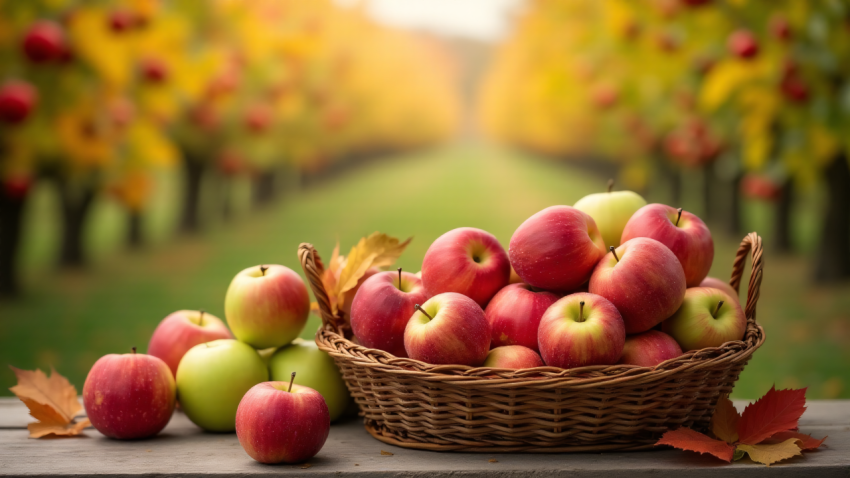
(212, 378)
(611, 211)
(314, 369)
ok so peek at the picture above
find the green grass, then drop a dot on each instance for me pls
(69, 319)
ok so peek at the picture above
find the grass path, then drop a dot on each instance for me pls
(68, 320)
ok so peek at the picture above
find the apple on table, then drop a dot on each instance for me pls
(708, 317)
(514, 314)
(449, 328)
(182, 330)
(611, 211)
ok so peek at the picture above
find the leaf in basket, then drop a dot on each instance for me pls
(52, 401)
(687, 439)
(805, 442)
(330, 276)
(724, 422)
(377, 250)
(768, 454)
(777, 411)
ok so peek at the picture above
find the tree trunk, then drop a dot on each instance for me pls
(76, 204)
(733, 215)
(832, 263)
(226, 198)
(135, 236)
(263, 188)
(782, 224)
(11, 213)
(193, 167)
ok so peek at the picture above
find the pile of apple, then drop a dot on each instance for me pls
(611, 280)
(225, 381)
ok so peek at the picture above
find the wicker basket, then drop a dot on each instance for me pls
(413, 404)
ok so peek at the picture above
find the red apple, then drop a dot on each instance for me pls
(780, 28)
(258, 119)
(649, 349)
(682, 232)
(44, 42)
(448, 328)
(279, 422)
(708, 318)
(17, 186)
(348, 297)
(154, 70)
(643, 279)
(556, 248)
(581, 329)
(715, 283)
(382, 308)
(514, 314)
(121, 20)
(743, 44)
(513, 357)
(17, 99)
(468, 261)
(266, 306)
(181, 331)
(129, 396)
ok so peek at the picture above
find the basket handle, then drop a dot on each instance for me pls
(314, 269)
(752, 242)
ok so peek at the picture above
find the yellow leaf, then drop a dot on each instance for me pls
(40, 429)
(377, 250)
(724, 422)
(768, 454)
(722, 80)
(52, 401)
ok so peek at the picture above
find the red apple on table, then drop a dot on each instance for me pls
(682, 232)
(556, 248)
(129, 396)
(17, 100)
(382, 308)
(649, 349)
(514, 314)
(266, 306)
(44, 42)
(181, 331)
(708, 318)
(448, 328)
(280, 422)
(716, 283)
(513, 357)
(468, 261)
(643, 279)
(581, 329)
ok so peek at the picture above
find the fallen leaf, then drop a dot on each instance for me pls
(305, 466)
(768, 454)
(724, 422)
(386, 453)
(687, 439)
(777, 411)
(805, 442)
(376, 250)
(493, 460)
(52, 401)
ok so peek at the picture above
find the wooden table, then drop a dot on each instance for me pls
(183, 450)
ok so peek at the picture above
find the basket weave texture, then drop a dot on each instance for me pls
(413, 404)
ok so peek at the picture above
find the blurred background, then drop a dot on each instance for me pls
(150, 149)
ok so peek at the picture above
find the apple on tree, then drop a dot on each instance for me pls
(513, 357)
(266, 306)
(581, 329)
(649, 349)
(129, 396)
(514, 314)
(708, 318)
(644, 281)
(212, 378)
(17, 100)
(449, 328)
(280, 422)
(611, 211)
(182, 330)
(44, 42)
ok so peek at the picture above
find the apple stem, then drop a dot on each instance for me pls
(420, 309)
(134, 350)
(201, 318)
(581, 311)
(614, 252)
(679, 216)
(610, 185)
(263, 270)
(399, 278)
(719, 305)
(291, 380)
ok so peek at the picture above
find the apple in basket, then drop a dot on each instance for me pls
(643, 279)
(708, 318)
(556, 248)
(716, 283)
(467, 261)
(581, 329)
(382, 308)
(611, 211)
(514, 357)
(514, 314)
(448, 328)
(682, 232)
(649, 349)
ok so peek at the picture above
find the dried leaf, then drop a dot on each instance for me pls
(687, 439)
(724, 423)
(805, 442)
(768, 454)
(377, 250)
(52, 401)
(386, 453)
(391, 253)
(777, 411)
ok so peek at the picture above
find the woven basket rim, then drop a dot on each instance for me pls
(332, 338)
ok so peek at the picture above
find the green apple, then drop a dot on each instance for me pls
(212, 378)
(313, 368)
(707, 318)
(611, 211)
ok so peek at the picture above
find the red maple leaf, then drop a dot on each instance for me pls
(687, 439)
(777, 411)
(805, 442)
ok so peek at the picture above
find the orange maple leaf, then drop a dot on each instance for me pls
(805, 442)
(724, 422)
(687, 439)
(52, 401)
(777, 411)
